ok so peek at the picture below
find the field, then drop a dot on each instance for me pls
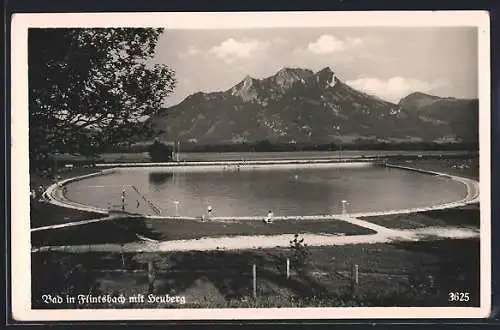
(124, 230)
(397, 274)
(462, 217)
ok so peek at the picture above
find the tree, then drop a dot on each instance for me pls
(91, 88)
(263, 145)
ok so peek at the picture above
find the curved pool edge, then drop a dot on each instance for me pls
(56, 196)
(472, 197)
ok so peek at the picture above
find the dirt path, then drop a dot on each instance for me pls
(268, 241)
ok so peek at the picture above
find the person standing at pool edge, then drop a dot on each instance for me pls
(123, 200)
(269, 218)
(209, 210)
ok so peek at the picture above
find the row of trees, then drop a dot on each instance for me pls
(91, 88)
(271, 146)
(268, 146)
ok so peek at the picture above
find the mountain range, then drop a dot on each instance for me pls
(299, 105)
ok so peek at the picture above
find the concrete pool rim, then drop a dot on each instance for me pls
(55, 192)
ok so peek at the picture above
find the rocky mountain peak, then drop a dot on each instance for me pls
(245, 89)
(326, 69)
(287, 76)
(326, 77)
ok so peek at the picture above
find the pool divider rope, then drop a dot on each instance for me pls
(155, 209)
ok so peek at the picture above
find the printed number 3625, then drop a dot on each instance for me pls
(458, 296)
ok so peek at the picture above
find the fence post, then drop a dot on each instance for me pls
(123, 258)
(287, 267)
(356, 274)
(151, 276)
(344, 206)
(254, 280)
(354, 277)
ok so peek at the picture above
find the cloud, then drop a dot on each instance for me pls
(395, 88)
(231, 49)
(281, 41)
(354, 41)
(193, 51)
(326, 44)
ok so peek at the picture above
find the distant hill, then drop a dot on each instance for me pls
(458, 117)
(304, 106)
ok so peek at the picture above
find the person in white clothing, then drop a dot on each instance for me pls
(269, 218)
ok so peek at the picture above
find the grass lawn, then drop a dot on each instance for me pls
(466, 217)
(181, 229)
(117, 157)
(45, 214)
(394, 274)
(125, 230)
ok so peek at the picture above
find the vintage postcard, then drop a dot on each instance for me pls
(245, 166)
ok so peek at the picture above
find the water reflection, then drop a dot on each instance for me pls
(160, 178)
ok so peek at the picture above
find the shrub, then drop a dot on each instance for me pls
(299, 251)
(160, 152)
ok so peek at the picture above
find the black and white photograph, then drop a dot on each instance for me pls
(329, 165)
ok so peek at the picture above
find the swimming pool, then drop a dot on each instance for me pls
(286, 191)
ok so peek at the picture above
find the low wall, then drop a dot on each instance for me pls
(249, 218)
(217, 167)
(472, 196)
(250, 163)
(56, 196)
(471, 185)
(419, 170)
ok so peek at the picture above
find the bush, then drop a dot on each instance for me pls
(299, 251)
(160, 152)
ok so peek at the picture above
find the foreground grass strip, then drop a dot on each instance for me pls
(464, 217)
(391, 274)
(126, 230)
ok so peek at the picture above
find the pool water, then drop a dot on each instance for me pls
(286, 192)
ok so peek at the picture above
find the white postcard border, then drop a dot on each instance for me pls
(20, 228)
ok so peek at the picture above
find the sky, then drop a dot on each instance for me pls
(389, 62)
